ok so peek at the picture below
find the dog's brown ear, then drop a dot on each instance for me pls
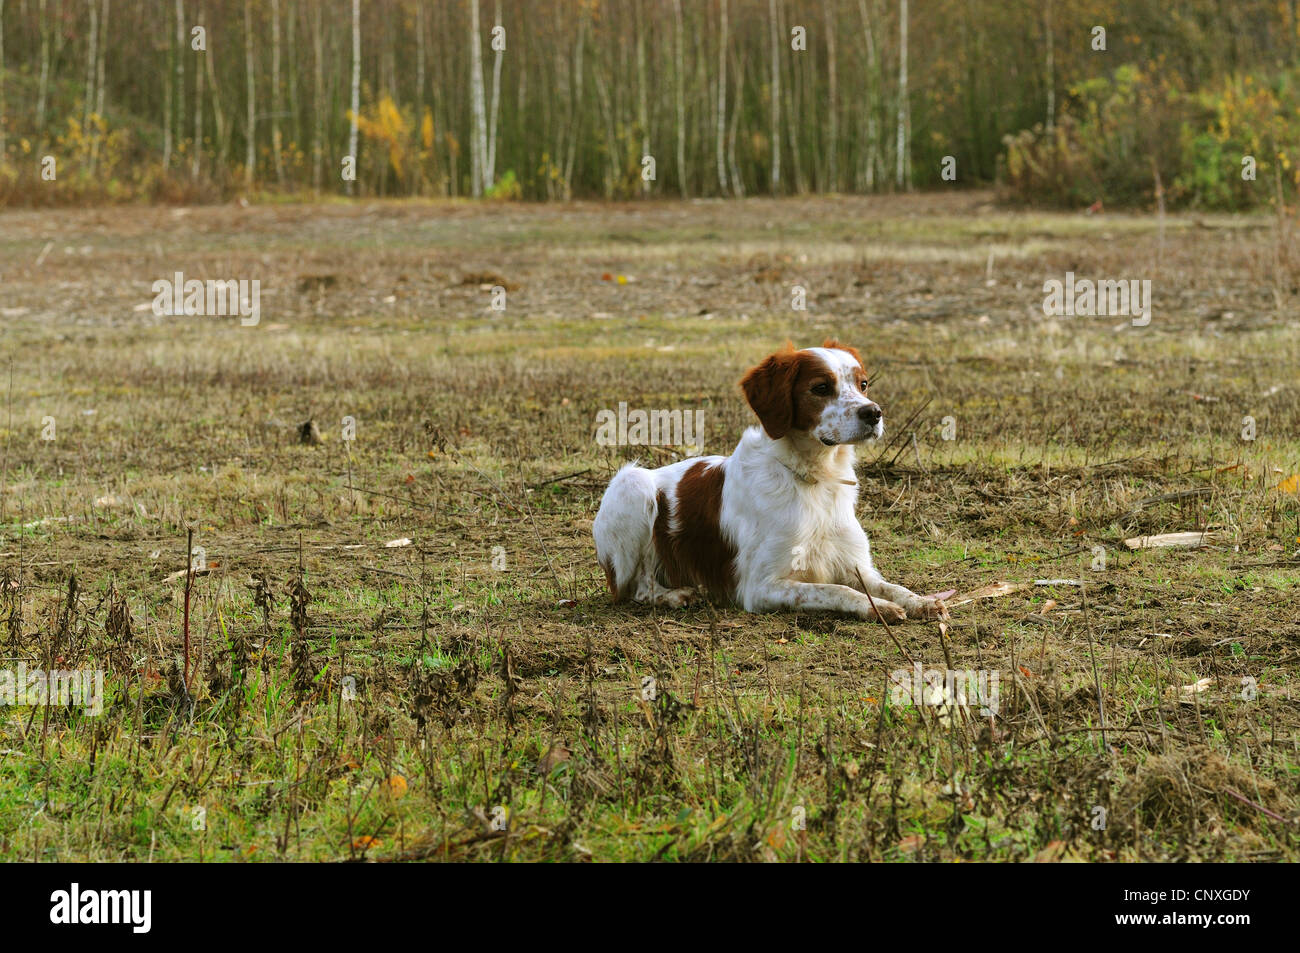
(769, 388)
(832, 343)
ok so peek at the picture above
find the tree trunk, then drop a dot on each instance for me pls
(575, 106)
(318, 100)
(478, 135)
(4, 140)
(832, 105)
(276, 99)
(221, 146)
(99, 64)
(250, 148)
(642, 112)
(356, 86)
(873, 100)
(722, 102)
(92, 46)
(1049, 77)
(775, 91)
(180, 73)
(419, 61)
(680, 74)
(169, 85)
(490, 177)
(196, 159)
(901, 179)
(737, 181)
(43, 85)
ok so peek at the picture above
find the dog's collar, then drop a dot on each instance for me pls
(804, 478)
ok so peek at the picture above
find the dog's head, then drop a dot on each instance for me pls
(819, 391)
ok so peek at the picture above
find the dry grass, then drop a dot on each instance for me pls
(358, 700)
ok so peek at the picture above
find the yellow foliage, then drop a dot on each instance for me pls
(426, 130)
(387, 126)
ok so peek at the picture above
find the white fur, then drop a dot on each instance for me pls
(787, 510)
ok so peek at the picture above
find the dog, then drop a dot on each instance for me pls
(772, 526)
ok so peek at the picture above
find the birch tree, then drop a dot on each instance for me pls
(356, 83)
(902, 177)
(169, 84)
(250, 149)
(722, 101)
(478, 136)
(92, 46)
(832, 105)
(43, 84)
(196, 159)
(276, 100)
(872, 88)
(491, 176)
(4, 139)
(180, 72)
(318, 99)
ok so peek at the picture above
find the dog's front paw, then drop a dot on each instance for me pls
(885, 611)
(926, 607)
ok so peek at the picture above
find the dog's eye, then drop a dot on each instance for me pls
(863, 384)
(822, 389)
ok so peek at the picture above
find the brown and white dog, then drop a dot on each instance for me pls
(772, 526)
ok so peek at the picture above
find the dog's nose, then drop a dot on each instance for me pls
(870, 414)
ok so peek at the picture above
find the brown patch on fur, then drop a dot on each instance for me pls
(779, 391)
(610, 581)
(695, 552)
(862, 379)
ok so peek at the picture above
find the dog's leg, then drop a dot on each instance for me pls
(828, 597)
(649, 592)
(917, 607)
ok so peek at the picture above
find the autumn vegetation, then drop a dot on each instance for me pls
(1067, 104)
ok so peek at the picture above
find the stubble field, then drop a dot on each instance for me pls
(401, 646)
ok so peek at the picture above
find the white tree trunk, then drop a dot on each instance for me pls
(356, 85)
(92, 46)
(873, 100)
(169, 107)
(180, 72)
(43, 86)
(4, 141)
(478, 136)
(275, 92)
(491, 174)
(318, 101)
(222, 144)
(250, 152)
(901, 176)
(722, 103)
(196, 159)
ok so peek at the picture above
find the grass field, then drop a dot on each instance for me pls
(472, 693)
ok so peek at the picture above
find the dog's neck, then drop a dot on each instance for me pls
(812, 462)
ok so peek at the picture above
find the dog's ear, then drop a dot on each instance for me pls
(769, 388)
(832, 343)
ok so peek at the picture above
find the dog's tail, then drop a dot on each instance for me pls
(624, 528)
